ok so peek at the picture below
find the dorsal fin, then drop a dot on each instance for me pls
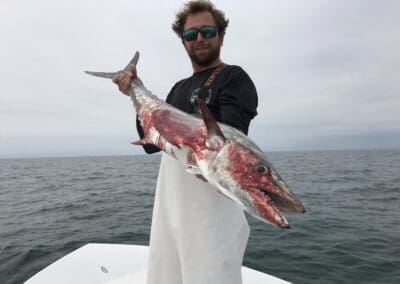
(210, 122)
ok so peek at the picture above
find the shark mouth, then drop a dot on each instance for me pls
(267, 208)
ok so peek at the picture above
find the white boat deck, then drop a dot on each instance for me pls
(115, 264)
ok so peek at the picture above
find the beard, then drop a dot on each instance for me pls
(204, 57)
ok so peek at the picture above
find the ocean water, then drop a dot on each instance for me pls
(349, 234)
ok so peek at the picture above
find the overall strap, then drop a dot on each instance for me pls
(214, 74)
(207, 84)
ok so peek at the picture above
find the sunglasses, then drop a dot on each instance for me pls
(206, 32)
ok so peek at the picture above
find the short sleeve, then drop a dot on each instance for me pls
(238, 100)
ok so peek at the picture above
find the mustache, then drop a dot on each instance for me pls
(200, 46)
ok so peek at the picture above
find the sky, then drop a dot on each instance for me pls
(327, 72)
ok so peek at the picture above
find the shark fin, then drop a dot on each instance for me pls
(210, 122)
(110, 75)
(140, 142)
(215, 137)
(133, 61)
(193, 170)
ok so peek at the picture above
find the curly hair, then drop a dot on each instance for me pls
(197, 6)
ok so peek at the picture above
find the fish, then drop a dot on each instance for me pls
(223, 156)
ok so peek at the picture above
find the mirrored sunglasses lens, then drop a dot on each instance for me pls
(209, 32)
(190, 35)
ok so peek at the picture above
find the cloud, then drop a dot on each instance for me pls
(321, 68)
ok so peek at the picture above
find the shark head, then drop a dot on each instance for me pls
(241, 172)
(249, 179)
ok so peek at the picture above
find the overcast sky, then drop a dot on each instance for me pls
(327, 72)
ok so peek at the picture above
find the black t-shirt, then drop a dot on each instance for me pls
(231, 98)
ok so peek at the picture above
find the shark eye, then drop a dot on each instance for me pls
(260, 169)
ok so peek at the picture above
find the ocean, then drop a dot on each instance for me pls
(350, 232)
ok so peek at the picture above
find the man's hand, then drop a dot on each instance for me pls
(124, 79)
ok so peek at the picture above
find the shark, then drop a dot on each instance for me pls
(221, 155)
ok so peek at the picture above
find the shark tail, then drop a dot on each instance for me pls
(110, 75)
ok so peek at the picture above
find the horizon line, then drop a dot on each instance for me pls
(59, 155)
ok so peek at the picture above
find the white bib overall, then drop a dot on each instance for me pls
(198, 236)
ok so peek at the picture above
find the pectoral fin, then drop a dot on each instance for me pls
(193, 169)
(141, 142)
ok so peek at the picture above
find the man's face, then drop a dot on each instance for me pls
(202, 51)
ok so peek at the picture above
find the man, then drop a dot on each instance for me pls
(198, 235)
